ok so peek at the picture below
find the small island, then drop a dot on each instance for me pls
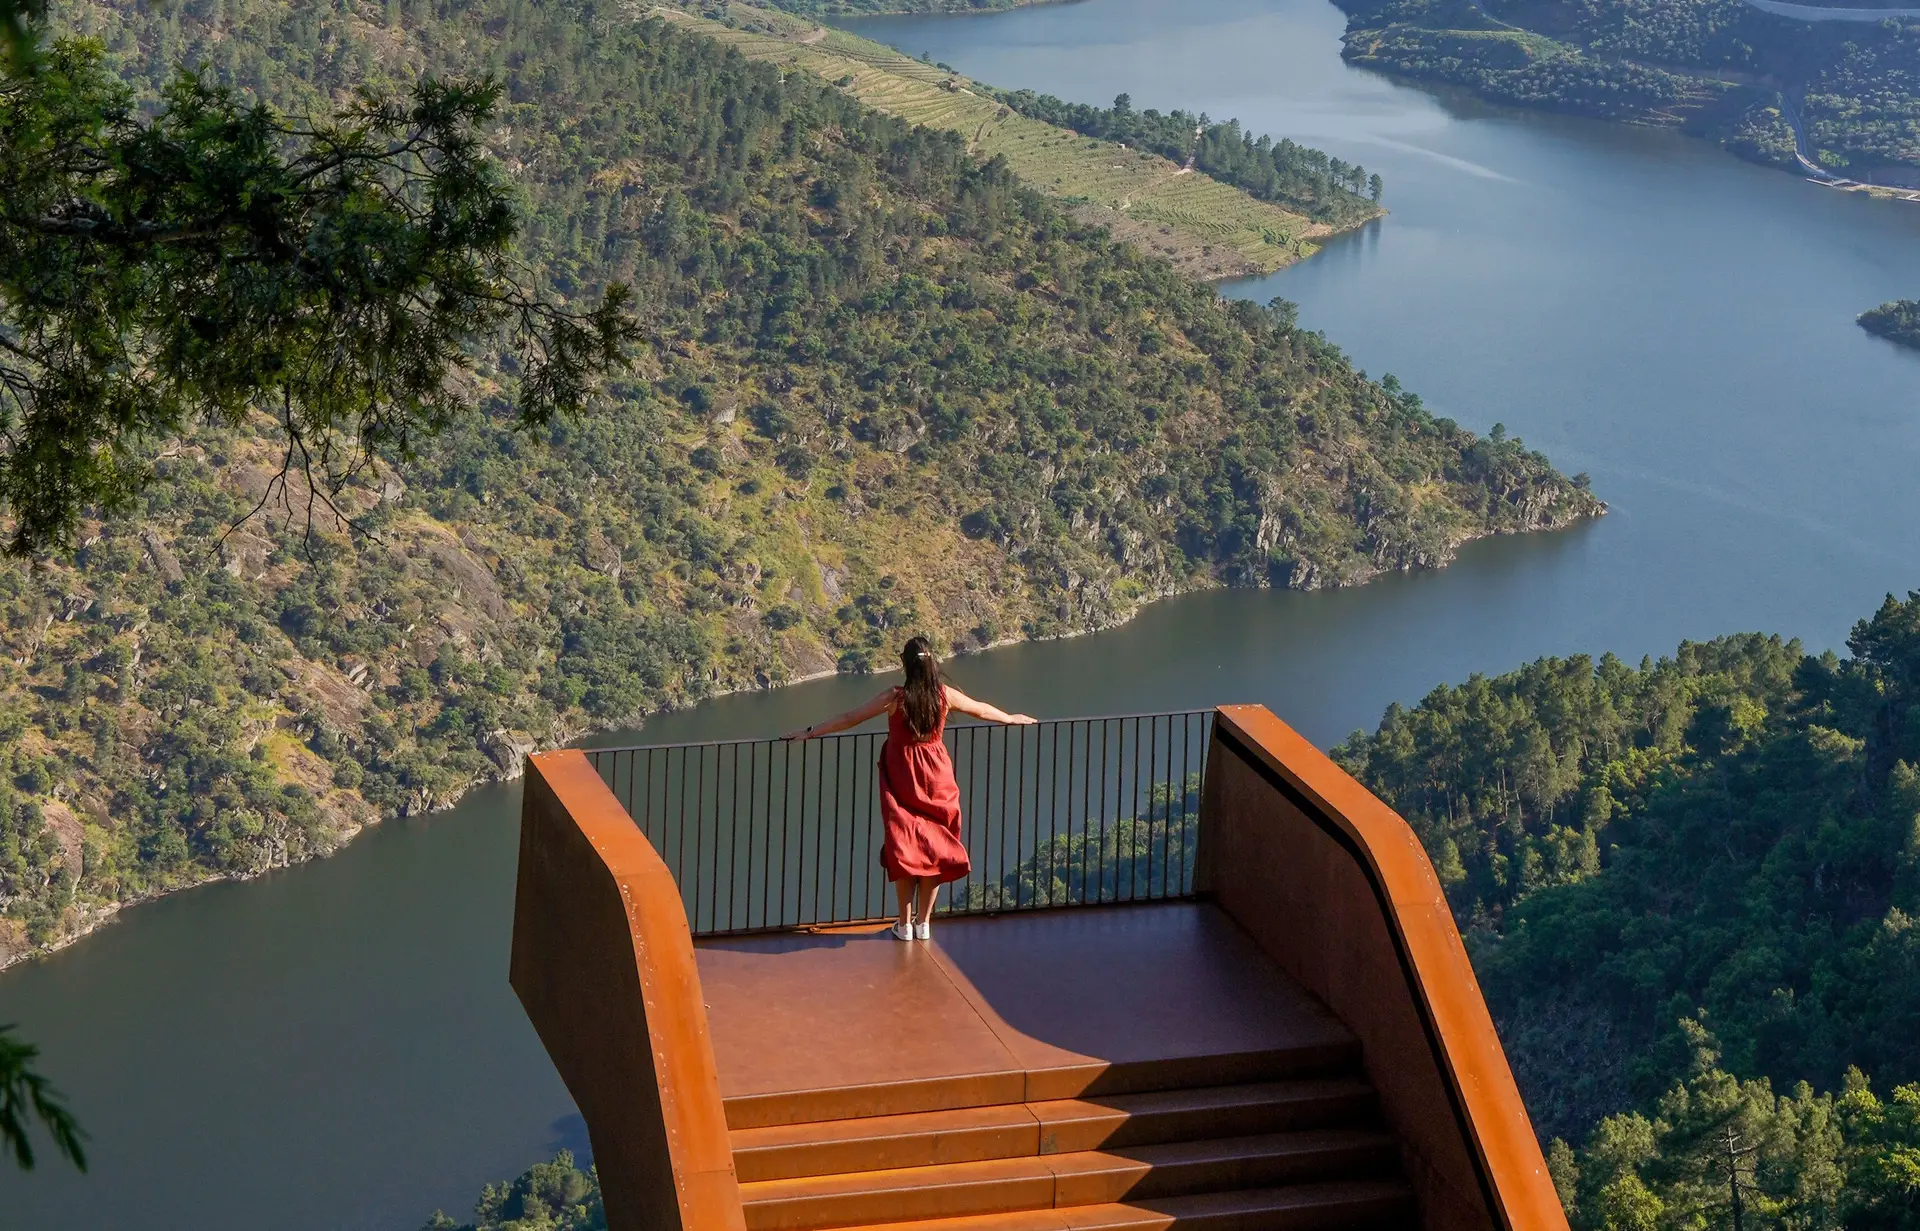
(1898, 321)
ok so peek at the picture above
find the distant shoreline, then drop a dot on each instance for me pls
(99, 916)
(1815, 12)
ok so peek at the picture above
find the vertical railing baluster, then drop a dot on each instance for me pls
(1019, 796)
(1103, 817)
(739, 895)
(1128, 804)
(1062, 861)
(1169, 873)
(1090, 875)
(874, 837)
(833, 848)
(636, 806)
(703, 887)
(786, 811)
(1143, 753)
(680, 855)
(800, 884)
(766, 842)
(1187, 845)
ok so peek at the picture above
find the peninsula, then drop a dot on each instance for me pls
(1822, 89)
(1150, 196)
(1898, 321)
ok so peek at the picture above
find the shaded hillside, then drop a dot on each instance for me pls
(884, 387)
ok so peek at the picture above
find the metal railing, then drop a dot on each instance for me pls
(766, 834)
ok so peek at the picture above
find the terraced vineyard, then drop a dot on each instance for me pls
(1207, 228)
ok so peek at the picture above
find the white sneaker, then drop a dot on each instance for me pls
(923, 931)
(903, 931)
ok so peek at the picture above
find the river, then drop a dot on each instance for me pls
(335, 1046)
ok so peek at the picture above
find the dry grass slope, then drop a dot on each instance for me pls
(1208, 229)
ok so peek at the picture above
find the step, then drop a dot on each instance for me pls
(1096, 1077)
(1347, 1205)
(1068, 1081)
(924, 1139)
(1086, 1177)
(883, 1143)
(1124, 1120)
(1090, 1177)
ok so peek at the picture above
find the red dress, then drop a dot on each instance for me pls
(919, 803)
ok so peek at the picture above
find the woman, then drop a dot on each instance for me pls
(921, 848)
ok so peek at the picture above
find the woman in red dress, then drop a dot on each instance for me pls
(921, 848)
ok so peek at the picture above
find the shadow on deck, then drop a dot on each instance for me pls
(1047, 1005)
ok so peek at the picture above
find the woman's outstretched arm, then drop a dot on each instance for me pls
(852, 718)
(980, 709)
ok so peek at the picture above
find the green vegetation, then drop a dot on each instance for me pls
(1719, 68)
(853, 335)
(1112, 859)
(1730, 835)
(1203, 225)
(832, 8)
(553, 1196)
(1898, 321)
(1721, 1152)
(1324, 188)
(1688, 885)
(217, 259)
(25, 1096)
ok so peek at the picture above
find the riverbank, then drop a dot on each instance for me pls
(854, 337)
(1208, 230)
(1897, 321)
(354, 816)
(1814, 89)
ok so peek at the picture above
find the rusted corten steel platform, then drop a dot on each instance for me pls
(1299, 1044)
(1028, 1065)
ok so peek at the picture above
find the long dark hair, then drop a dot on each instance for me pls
(924, 694)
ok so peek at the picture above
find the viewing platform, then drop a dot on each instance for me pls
(1199, 978)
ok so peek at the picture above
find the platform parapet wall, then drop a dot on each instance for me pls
(603, 963)
(1336, 888)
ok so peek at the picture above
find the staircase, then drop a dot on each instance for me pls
(1259, 1141)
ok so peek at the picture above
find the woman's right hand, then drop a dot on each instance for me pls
(799, 734)
(1021, 720)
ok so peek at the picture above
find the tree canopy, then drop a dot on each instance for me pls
(1734, 831)
(1897, 321)
(26, 1096)
(218, 259)
(1723, 69)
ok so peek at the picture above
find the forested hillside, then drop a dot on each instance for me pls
(1719, 68)
(1261, 208)
(826, 8)
(1730, 835)
(882, 387)
(1327, 189)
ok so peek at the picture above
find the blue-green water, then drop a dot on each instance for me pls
(336, 1047)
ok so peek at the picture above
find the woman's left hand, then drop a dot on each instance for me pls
(803, 733)
(1021, 720)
